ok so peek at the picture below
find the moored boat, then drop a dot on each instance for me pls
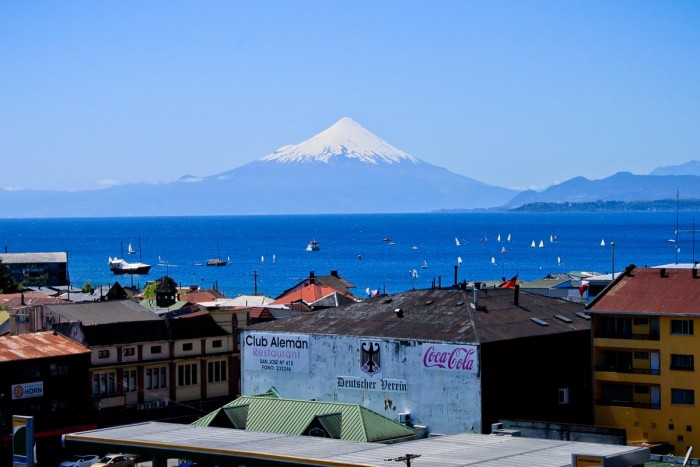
(119, 266)
(313, 246)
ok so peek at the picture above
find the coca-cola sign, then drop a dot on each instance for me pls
(451, 357)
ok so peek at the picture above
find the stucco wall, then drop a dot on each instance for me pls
(316, 366)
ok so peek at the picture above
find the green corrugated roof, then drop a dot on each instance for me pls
(293, 417)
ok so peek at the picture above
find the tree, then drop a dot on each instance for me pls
(87, 288)
(8, 284)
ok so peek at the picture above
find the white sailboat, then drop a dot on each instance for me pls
(532, 245)
(459, 261)
(559, 260)
(602, 242)
(499, 238)
(508, 239)
(541, 245)
(425, 265)
(503, 250)
(457, 241)
(493, 260)
(414, 274)
(131, 249)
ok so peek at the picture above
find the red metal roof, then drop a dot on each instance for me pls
(308, 294)
(38, 345)
(652, 291)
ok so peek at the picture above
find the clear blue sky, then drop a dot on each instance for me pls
(512, 93)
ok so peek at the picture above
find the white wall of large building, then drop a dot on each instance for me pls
(438, 383)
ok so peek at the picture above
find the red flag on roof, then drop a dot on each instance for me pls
(582, 289)
(511, 283)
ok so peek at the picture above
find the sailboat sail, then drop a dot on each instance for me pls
(457, 241)
(459, 261)
(131, 249)
(602, 242)
(499, 238)
(541, 244)
(508, 237)
(532, 245)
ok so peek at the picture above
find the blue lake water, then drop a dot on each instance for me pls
(274, 247)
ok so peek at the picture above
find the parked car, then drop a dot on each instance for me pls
(116, 460)
(81, 460)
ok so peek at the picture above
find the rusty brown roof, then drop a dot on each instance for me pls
(651, 291)
(442, 315)
(38, 345)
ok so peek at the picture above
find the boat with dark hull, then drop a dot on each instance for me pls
(119, 266)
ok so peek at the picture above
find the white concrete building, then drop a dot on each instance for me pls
(441, 358)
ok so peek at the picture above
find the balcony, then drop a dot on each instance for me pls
(624, 335)
(624, 369)
(637, 405)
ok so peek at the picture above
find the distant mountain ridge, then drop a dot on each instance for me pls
(622, 186)
(343, 169)
(688, 168)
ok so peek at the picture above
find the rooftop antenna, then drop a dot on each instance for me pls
(255, 281)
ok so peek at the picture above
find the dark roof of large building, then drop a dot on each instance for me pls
(651, 291)
(38, 345)
(443, 315)
(130, 331)
(91, 313)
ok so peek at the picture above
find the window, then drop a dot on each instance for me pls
(129, 381)
(641, 355)
(22, 318)
(187, 374)
(155, 378)
(217, 344)
(187, 346)
(682, 362)
(129, 352)
(641, 389)
(682, 396)
(155, 349)
(103, 354)
(563, 396)
(216, 371)
(104, 384)
(640, 321)
(56, 369)
(682, 327)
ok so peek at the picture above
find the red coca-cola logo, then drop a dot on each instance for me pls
(458, 358)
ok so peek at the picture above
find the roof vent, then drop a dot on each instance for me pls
(459, 303)
(662, 272)
(388, 300)
(583, 315)
(428, 303)
(539, 321)
(399, 312)
(563, 318)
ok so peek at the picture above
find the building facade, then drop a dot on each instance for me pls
(644, 345)
(38, 269)
(452, 360)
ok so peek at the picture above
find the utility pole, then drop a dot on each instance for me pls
(255, 281)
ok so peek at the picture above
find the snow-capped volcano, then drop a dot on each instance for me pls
(345, 139)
